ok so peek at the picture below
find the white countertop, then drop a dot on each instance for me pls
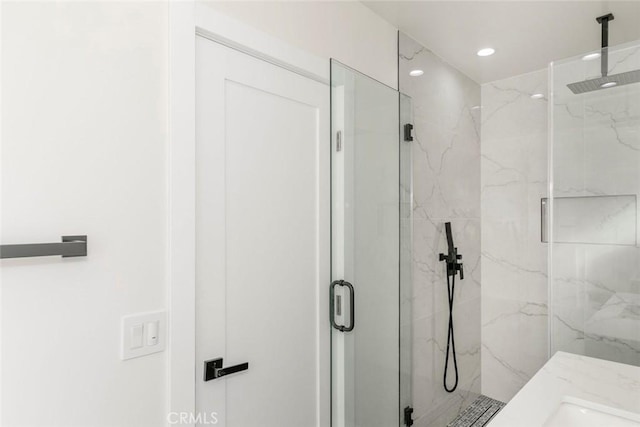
(608, 383)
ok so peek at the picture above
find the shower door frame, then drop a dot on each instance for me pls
(186, 19)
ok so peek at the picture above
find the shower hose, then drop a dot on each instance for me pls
(451, 343)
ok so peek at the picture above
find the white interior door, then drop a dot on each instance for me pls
(262, 266)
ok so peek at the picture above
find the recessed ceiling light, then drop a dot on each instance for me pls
(591, 56)
(416, 73)
(487, 51)
(537, 96)
(475, 107)
(608, 84)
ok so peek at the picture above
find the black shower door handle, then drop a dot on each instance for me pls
(352, 313)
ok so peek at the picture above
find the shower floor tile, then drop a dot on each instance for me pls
(478, 414)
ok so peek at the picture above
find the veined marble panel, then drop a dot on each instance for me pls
(595, 219)
(514, 260)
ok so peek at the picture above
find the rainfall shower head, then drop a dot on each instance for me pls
(606, 81)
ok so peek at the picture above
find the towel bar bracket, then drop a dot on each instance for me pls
(82, 244)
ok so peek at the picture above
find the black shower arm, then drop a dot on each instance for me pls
(604, 55)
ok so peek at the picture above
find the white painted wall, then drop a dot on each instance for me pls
(344, 30)
(84, 119)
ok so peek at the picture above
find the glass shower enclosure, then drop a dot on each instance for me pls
(370, 240)
(592, 227)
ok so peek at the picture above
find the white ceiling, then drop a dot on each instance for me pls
(526, 35)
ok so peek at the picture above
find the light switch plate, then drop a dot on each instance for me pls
(134, 341)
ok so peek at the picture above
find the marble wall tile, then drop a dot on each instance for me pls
(446, 187)
(514, 260)
(610, 219)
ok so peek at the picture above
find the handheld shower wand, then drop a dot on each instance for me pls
(452, 258)
(453, 266)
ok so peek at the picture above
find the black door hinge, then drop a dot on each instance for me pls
(408, 421)
(408, 132)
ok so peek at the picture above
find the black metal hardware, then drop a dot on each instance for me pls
(408, 132)
(452, 258)
(352, 297)
(453, 266)
(71, 246)
(605, 80)
(604, 57)
(213, 369)
(408, 420)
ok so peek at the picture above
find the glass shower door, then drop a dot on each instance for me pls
(593, 233)
(366, 268)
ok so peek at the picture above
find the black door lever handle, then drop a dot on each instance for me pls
(213, 369)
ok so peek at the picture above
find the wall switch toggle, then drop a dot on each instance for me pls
(136, 336)
(142, 334)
